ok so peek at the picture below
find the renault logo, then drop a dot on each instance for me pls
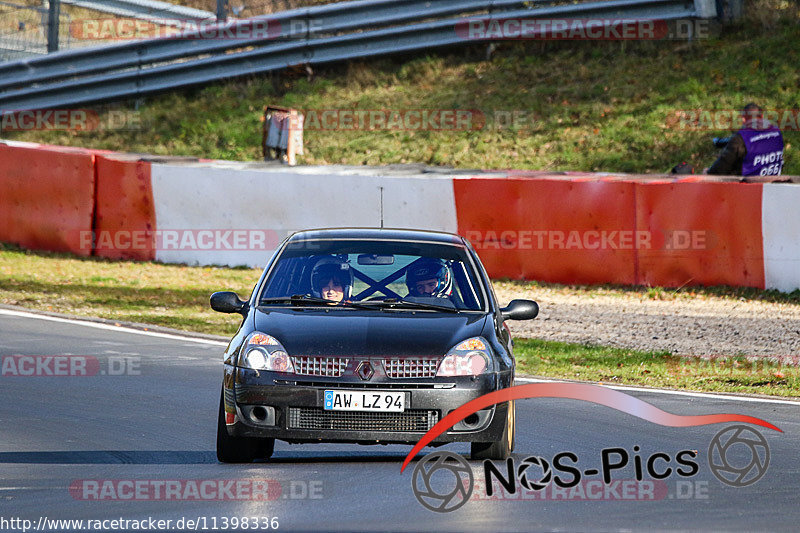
(365, 370)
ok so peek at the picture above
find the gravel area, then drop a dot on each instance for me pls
(684, 325)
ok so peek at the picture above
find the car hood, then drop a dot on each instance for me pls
(367, 333)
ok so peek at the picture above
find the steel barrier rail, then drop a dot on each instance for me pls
(327, 18)
(143, 9)
(278, 55)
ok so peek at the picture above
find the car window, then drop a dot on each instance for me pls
(377, 270)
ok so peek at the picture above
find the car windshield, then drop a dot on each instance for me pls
(374, 274)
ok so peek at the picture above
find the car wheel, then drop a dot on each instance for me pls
(239, 449)
(501, 449)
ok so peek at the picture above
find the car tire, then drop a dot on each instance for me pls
(501, 449)
(239, 449)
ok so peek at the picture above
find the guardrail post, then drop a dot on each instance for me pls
(705, 9)
(729, 10)
(53, 17)
(222, 10)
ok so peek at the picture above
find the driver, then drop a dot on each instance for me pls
(429, 277)
(332, 279)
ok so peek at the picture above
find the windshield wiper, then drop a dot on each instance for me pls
(296, 299)
(301, 299)
(393, 303)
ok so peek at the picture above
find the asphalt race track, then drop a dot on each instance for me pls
(149, 410)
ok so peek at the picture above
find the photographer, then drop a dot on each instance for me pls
(755, 150)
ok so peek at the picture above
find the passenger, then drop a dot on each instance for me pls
(332, 279)
(429, 278)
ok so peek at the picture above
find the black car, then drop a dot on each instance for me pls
(367, 336)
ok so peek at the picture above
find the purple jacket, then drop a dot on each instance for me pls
(764, 147)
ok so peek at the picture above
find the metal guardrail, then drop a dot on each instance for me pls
(138, 68)
(326, 19)
(143, 9)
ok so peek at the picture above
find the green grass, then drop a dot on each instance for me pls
(176, 296)
(655, 369)
(592, 106)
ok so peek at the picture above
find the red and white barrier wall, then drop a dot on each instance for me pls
(559, 227)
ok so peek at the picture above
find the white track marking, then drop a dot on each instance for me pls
(122, 329)
(708, 395)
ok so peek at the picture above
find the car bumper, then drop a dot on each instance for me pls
(289, 408)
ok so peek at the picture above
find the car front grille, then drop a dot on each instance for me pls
(360, 386)
(411, 367)
(418, 420)
(319, 366)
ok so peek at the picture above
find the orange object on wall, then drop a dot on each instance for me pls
(704, 234)
(46, 198)
(125, 220)
(550, 229)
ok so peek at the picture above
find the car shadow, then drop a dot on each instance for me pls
(110, 457)
(287, 457)
(185, 457)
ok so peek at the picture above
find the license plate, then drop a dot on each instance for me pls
(380, 401)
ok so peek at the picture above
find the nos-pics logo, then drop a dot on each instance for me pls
(443, 481)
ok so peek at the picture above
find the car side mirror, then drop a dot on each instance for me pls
(228, 302)
(520, 310)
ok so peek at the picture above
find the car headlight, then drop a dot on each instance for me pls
(263, 352)
(468, 358)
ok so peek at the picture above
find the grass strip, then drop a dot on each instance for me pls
(620, 366)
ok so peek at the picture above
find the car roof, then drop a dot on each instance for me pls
(391, 234)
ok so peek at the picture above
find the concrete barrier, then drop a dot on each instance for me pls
(780, 223)
(46, 196)
(125, 221)
(197, 205)
(550, 229)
